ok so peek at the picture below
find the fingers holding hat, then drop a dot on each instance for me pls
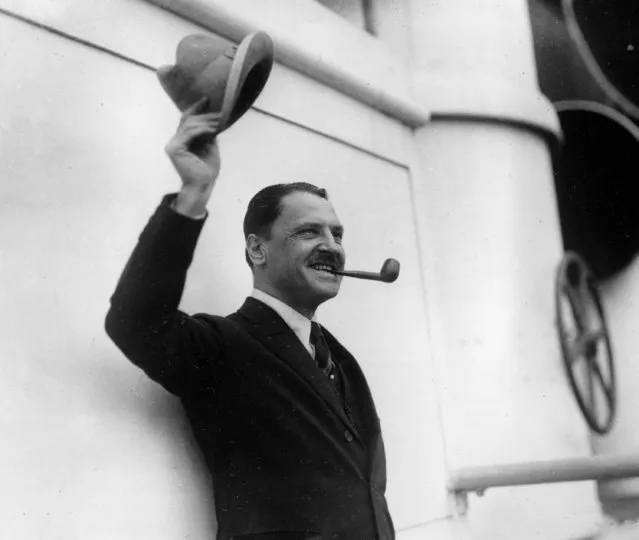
(196, 132)
(192, 127)
(195, 123)
(199, 108)
(194, 152)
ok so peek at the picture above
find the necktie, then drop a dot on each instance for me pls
(322, 354)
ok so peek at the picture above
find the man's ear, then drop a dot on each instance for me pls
(256, 250)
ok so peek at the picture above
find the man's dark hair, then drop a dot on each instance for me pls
(266, 205)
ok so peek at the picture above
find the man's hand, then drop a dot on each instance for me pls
(195, 155)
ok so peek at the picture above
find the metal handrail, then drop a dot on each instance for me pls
(478, 479)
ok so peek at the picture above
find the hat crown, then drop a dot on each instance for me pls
(195, 52)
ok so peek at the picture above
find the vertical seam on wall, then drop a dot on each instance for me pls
(414, 172)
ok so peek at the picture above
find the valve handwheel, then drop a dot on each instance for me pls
(585, 342)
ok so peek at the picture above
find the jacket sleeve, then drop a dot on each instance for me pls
(173, 348)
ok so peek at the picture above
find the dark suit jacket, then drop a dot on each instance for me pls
(287, 454)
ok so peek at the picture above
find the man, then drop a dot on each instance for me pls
(280, 409)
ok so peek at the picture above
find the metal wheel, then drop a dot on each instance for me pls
(585, 342)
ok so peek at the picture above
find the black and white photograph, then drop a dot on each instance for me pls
(319, 270)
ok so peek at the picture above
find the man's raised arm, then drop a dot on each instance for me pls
(144, 320)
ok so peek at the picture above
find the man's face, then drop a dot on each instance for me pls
(305, 238)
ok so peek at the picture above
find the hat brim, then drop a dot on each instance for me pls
(249, 73)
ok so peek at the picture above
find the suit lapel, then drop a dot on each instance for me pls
(272, 331)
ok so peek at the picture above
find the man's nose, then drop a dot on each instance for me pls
(329, 243)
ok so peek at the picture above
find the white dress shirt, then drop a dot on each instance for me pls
(300, 324)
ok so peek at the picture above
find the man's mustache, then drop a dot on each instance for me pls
(334, 261)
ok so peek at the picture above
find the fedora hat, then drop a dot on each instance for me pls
(230, 77)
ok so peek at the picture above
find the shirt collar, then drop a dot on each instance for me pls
(300, 324)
